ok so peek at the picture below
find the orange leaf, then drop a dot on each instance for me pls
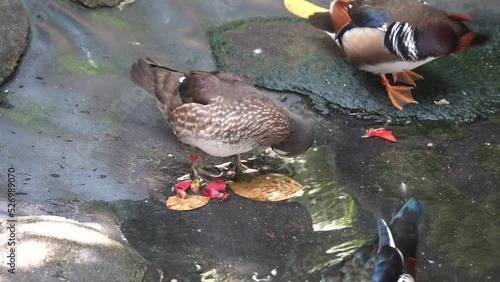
(267, 187)
(191, 202)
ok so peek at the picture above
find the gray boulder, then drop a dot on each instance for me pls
(52, 248)
(13, 35)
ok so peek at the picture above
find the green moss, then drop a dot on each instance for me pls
(403, 131)
(489, 155)
(470, 233)
(222, 40)
(4, 73)
(294, 50)
(4, 102)
(473, 227)
(75, 64)
(241, 24)
(110, 20)
(28, 114)
(496, 118)
(224, 51)
(309, 63)
(351, 211)
(138, 267)
(406, 164)
(445, 130)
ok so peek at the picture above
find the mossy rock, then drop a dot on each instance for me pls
(287, 54)
(75, 64)
(53, 248)
(28, 114)
(13, 36)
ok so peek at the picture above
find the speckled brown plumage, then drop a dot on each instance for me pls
(220, 113)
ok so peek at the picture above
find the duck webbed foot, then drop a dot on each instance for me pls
(399, 95)
(226, 171)
(207, 174)
(237, 170)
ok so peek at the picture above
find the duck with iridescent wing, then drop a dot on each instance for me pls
(389, 258)
(395, 36)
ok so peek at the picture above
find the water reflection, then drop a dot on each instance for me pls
(229, 241)
(329, 207)
(333, 212)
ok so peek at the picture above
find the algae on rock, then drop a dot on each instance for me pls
(297, 57)
(474, 227)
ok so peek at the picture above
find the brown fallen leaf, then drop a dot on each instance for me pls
(191, 202)
(267, 188)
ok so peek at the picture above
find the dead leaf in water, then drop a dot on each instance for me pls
(191, 202)
(267, 188)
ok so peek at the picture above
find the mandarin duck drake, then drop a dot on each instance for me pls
(394, 36)
(389, 258)
(221, 114)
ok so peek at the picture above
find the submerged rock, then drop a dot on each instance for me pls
(453, 207)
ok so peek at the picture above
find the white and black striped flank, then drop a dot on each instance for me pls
(401, 40)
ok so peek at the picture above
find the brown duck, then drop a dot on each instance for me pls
(394, 36)
(221, 114)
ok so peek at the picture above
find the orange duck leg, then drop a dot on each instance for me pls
(399, 95)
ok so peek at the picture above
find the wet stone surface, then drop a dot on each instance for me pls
(90, 146)
(48, 247)
(98, 3)
(455, 179)
(256, 235)
(297, 57)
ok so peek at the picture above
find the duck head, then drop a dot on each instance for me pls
(300, 139)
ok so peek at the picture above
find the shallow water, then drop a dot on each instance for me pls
(92, 143)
